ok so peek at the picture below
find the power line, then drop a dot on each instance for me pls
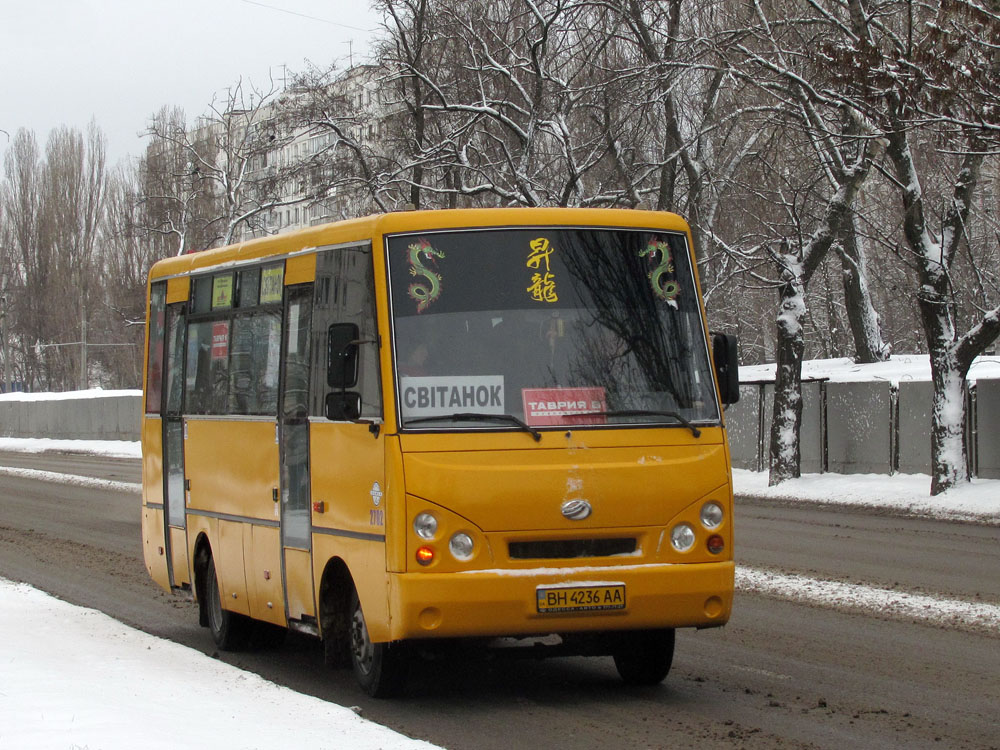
(303, 15)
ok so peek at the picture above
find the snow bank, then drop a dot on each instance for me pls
(846, 370)
(111, 448)
(75, 678)
(64, 395)
(977, 501)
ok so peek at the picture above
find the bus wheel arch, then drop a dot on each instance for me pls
(202, 553)
(380, 668)
(335, 591)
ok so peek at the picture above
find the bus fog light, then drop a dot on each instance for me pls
(716, 544)
(425, 525)
(425, 555)
(682, 537)
(461, 546)
(711, 515)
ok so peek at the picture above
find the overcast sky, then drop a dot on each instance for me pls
(118, 61)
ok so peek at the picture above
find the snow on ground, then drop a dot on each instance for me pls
(873, 600)
(75, 678)
(113, 448)
(845, 370)
(63, 395)
(908, 493)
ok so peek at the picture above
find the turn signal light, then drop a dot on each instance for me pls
(425, 555)
(716, 544)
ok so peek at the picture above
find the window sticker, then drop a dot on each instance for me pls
(664, 289)
(564, 406)
(220, 340)
(271, 285)
(293, 328)
(222, 291)
(424, 292)
(435, 396)
(543, 285)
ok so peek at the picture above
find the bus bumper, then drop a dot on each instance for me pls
(492, 603)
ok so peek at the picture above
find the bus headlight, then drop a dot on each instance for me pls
(461, 546)
(711, 515)
(682, 537)
(425, 526)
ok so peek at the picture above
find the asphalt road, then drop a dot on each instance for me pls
(781, 674)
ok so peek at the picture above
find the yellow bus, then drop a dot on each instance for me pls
(402, 430)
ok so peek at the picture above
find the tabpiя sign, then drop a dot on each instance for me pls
(563, 406)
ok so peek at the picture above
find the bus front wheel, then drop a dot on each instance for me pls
(380, 668)
(644, 657)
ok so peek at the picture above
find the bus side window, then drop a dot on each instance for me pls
(175, 360)
(207, 377)
(345, 295)
(157, 331)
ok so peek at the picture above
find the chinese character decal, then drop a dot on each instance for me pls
(424, 292)
(664, 289)
(543, 285)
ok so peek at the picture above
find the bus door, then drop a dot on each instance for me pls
(293, 418)
(173, 448)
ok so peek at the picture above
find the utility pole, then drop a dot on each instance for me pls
(3, 334)
(83, 348)
(82, 286)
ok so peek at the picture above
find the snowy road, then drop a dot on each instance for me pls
(818, 672)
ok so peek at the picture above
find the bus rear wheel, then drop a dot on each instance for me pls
(230, 630)
(644, 657)
(380, 668)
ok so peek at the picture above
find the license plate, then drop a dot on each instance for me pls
(580, 598)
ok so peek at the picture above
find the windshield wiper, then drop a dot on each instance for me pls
(478, 417)
(642, 413)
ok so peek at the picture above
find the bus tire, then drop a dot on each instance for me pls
(380, 668)
(644, 657)
(230, 630)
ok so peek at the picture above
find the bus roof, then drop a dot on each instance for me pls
(368, 227)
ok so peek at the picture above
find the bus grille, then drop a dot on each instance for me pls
(564, 549)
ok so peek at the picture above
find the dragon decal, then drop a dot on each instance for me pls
(665, 289)
(424, 292)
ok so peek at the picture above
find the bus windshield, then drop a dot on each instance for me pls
(552, 327)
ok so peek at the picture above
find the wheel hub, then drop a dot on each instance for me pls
(362, 650)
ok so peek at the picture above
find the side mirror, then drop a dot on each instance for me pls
(726, 356)
(343, 406)
(342, 355)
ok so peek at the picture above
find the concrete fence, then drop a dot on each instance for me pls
(86, 415)
(873, 427)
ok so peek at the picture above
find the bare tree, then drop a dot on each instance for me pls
(840, 152)
(23, 266)
(74, 183)
(218, 179)
(126, 255)
(930, 73)
(52, 209)
(869, 343)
